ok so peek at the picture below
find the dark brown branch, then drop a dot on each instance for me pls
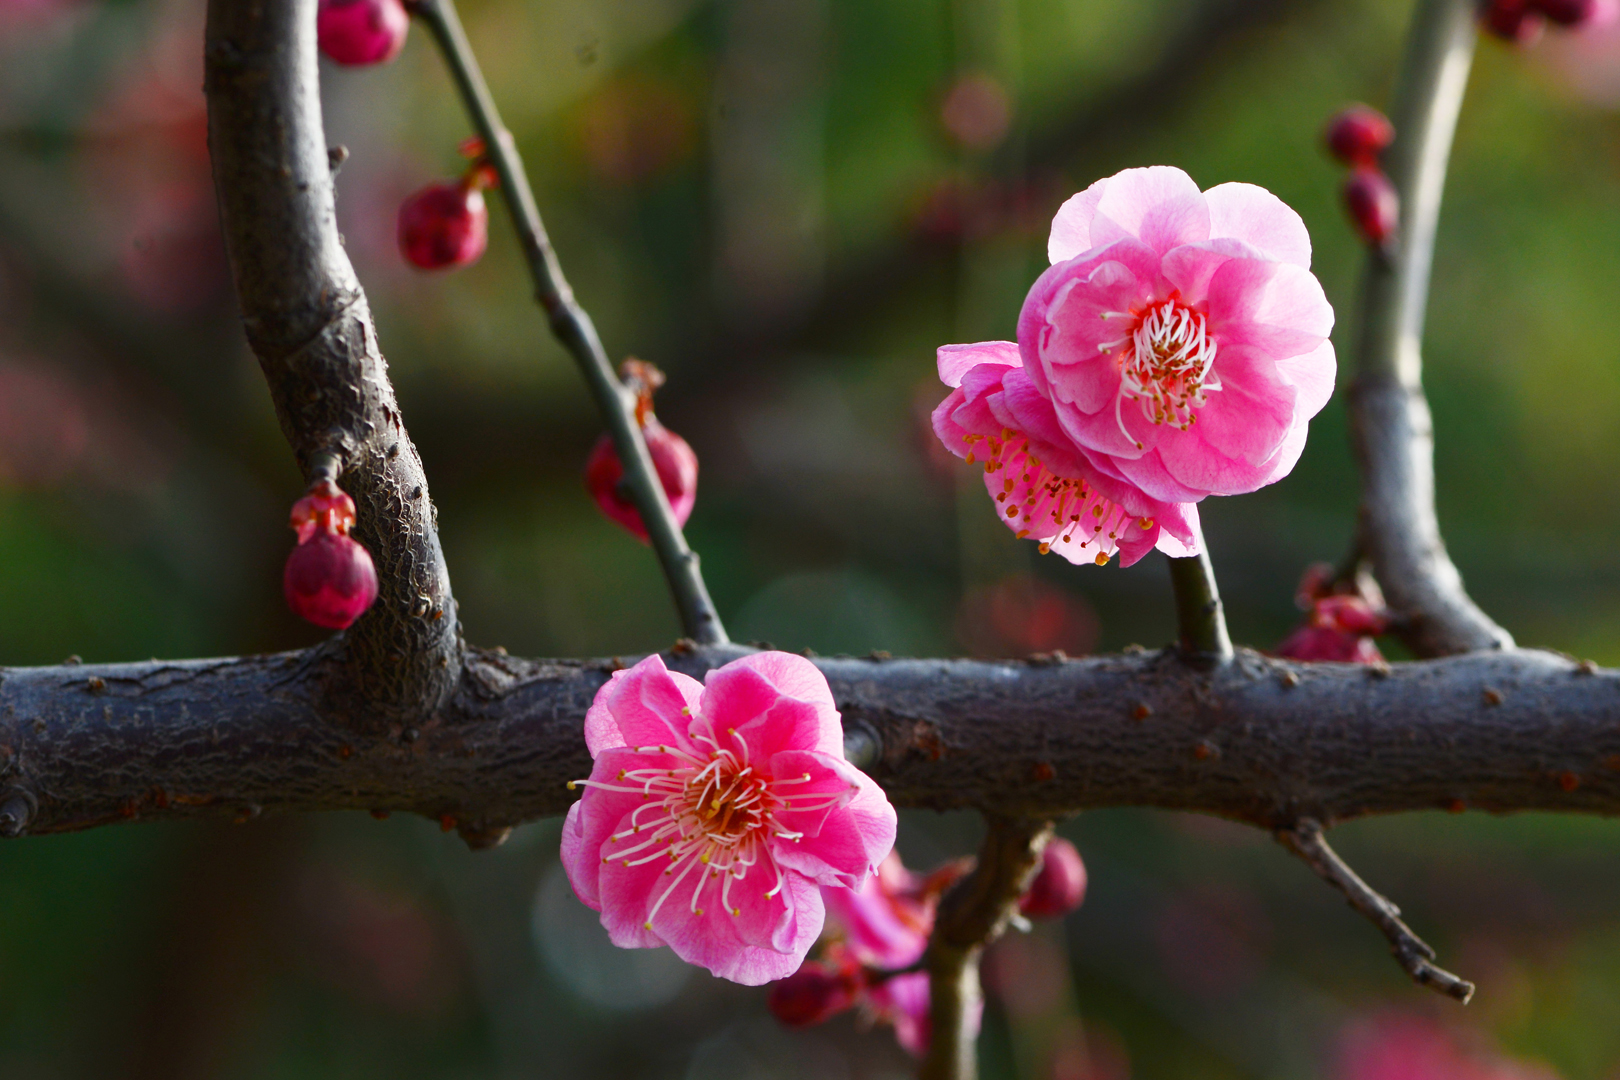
(307, 320)
(971, 916)
(1258, 740)
(1411, 952)
(1394, 433)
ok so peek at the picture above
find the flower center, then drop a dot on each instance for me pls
(1054, 509)
(1168, 369)
(705, 809)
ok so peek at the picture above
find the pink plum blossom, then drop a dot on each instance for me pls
(886, 922)
(1046, 486)
(714, 811)
(1176, 348)
(903, 1001)
(1339, 628)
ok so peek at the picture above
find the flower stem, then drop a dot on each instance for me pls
(1200, 618)
(1390, 418)
(573, 327)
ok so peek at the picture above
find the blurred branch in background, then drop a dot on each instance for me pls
(1394, 431)
(575, 330)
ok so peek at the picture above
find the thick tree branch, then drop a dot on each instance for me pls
(1257, 740)
(307, 321)
(573, 327)
(971, 916)
(1411, 952)
(1393, 430)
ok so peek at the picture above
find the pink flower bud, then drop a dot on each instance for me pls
(1567, 12)
(358, 32)
(1357, 135)
(444, 224)
(1373, 204)
(1513, 20)
(330, 580)
(1059, 885)
(813, 994)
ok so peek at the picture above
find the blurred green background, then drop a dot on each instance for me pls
(787, 205)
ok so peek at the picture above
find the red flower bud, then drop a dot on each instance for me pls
(1513, 20)
(672, 458)
(677, 469)
(813, 994)
(1059, 885)
(357, 32)
(444, 224)
(1357, 135)
(1373, 204)
(329, 580)
(1567, 12)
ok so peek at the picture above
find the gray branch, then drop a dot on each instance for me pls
(1259, 740)
(1394, 432)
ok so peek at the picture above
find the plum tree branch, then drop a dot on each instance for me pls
(1259, 740)
(972, 916)
(307, 322)
(574, 329)
(1390, 419)
(1200, 618)
(1411, 952)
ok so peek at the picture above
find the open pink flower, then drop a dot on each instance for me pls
(1047, 486)
(715, 809)
(1179, 335)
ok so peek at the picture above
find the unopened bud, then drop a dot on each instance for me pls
(811, 995)
(1357, 135)
(330, 580)
(358, 32)
(1569, 13)
(1373, 204)
(1059, 885)
(445, 225)
(1513, 20)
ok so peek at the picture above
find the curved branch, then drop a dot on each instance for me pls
(1393, 429)
(307, 321)
(1257, 740)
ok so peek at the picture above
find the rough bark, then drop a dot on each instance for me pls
(1259, 740)
(307, 321)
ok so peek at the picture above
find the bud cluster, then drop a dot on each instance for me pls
(1358, 136)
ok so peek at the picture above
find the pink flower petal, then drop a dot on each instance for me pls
(849, 843)
(1071, 227)
(1160, 206)
(956, 360)
(1251, 415)
(774, 701)
(599, 813)
(641, 706)
(715, 939)
(873, 928)
(1313, 375)
(1257, 217)
(1278, 296)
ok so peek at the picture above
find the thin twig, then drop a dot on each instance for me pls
(1305, 839)
(573, 327)
(1393, 429)
(971, 916)
(1200, 616)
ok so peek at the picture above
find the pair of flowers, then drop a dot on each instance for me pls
(1177, 348)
